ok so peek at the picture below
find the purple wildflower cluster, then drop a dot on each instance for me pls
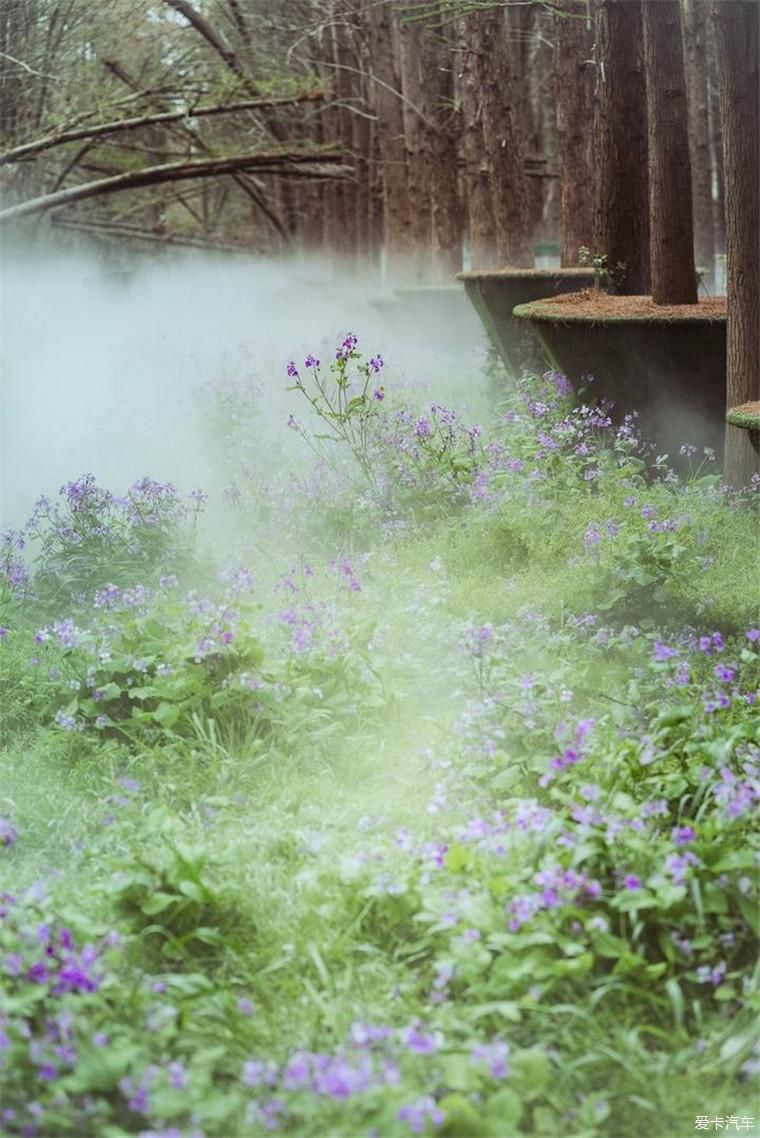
(373, 1058)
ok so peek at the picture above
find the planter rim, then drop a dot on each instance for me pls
(553, 311)
(747, 416)
(517, 274)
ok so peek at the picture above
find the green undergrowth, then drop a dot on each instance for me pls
(408, 789)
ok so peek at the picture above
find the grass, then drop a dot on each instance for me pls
(278, 877)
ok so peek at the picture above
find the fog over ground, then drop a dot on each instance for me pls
(102, 360)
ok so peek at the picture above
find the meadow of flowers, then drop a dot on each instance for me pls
(408, 786)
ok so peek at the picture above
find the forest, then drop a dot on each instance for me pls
(379, 568)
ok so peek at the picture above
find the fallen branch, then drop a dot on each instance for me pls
(308, 165)
(135, 233)
(37, 146)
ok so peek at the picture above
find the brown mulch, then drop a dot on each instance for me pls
(589, 303)
(752, 408)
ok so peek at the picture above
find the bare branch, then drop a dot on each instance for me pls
(325, 164)
(59, 138)
(25, 67)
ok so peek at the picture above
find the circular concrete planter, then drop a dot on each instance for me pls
(666, 362)
(494, 293)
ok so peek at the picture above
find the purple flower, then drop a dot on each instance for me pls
(423, 428)
(177, 1073)
(724, 673)
(292, 370)
(414, 1114)
(662, 651)
(632, 881)
(682, 835)
(495, 1055)
(378, 394)
(311, 361)
(377, 364)
(417, 1041)
(753, 635)
(8, 833)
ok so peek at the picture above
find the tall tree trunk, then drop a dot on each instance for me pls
(344, 86)
(526, 54)
(477, 188)
(670, 215)
(736, 26)
(386, 99)
(504, 144)
(621, 223)
(699, 133)
(716, 148)
(445, 201)
(415, 83)
(574, 105)
(363, 130)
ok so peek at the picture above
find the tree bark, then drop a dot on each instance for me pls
(574, 104)
(480, 220)
(670, 211)
(621, 222)
(386, 98)
(716, 147)
(503, 140)
(699, 134)
(417, 127)
(445, 200)
(736, 26)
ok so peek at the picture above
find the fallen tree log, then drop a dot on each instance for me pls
(308, 165)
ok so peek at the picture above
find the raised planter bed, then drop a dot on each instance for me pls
(746, 416)
(666, 362)
(494, 293)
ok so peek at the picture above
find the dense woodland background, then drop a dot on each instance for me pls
(434, 134)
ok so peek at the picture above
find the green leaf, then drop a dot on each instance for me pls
(167, 714)
(461, 1117)
(192, 890)
(504, 1110)
(158, 903)
(531, 1071)
(459, 1072)
(457, 858)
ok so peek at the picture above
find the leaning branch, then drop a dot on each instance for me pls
(37, 146)
(324, 164)
(212, 37)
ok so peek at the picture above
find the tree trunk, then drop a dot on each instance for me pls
(415, 83)
(716, 147)
(574, 106)
(527, 59)
(504, 144)
(445, 202)
(736, 26)
(621, 223)
(344, 86)
(386, 99)
(477, 189)
(699, 134)
(670, 215)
